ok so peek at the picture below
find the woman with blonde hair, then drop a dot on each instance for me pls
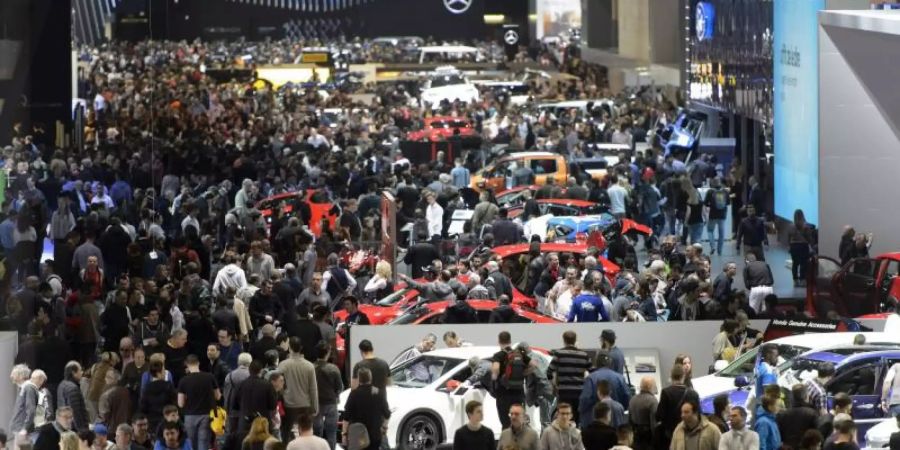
(258, 436)
(380, 285)
(69, 441)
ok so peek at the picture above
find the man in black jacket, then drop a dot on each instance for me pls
(420, 255)
(256, 397)
(69, 395)
(503, 313)
(460, 311)
(535, 267)
(794, 421)
(599, 435)
(300, 326)
(49, 433)
(498, 281)
(506, 231)
(114, 322)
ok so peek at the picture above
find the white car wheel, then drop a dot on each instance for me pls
(420, 432)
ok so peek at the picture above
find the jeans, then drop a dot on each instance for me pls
(711, 227)
(197, 429)
(326, 424)
(696, 232)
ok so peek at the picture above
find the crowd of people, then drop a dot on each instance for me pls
(169, 294)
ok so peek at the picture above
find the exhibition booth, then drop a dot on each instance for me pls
(859, 129)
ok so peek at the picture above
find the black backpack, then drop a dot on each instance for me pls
(514, 368)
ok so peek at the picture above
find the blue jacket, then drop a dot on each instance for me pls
(767, 429)
(587, 400)
(765, 375)
(587, 308)
(161, 445)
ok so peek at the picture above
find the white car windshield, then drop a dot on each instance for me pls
(422, 370)
(447, 80)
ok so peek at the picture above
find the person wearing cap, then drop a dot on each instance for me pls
(101, 438)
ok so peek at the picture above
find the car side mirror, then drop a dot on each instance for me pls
(741, 381)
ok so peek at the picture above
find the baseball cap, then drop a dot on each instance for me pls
(100, 429)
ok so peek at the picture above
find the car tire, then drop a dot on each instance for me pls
(420, 432)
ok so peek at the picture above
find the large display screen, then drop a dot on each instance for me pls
(557, 16)
(796, 64)
(731, 56)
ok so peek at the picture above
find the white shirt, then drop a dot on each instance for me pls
(434, 214)
(739, 440)
(308, 443)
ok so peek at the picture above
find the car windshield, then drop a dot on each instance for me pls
(422, 370)
(447, 80)
(409, 316)
(744, 364)
(448, 124)
(394, 298)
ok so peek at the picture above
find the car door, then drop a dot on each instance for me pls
(861, 381)
(857, 287)
(820, 292)
(543, 168)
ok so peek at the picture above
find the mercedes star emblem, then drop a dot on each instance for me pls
(457, 6)
(511, 37)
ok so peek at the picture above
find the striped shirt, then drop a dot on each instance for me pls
(815, 396)
(569, 364)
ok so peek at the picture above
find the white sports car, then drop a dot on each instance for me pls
(426, 413)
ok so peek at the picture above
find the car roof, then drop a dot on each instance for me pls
(892, 256)
(826, 340)
(840, 353)
(871, 355)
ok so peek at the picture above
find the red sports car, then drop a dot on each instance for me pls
(318, 209)
(431, 313)
(442, 127)
(386, 309)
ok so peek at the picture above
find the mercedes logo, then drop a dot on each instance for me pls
(511, 37)
(457, 6)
